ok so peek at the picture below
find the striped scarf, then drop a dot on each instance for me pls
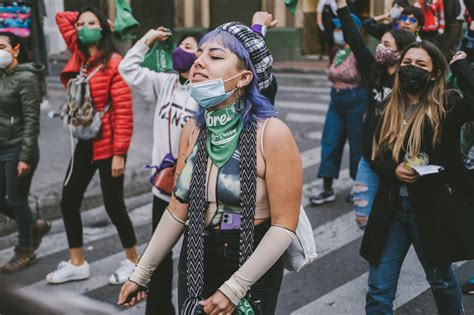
(195, 245)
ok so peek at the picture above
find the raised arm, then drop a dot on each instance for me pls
(354, 38)
(261, 21)
(65, 22)
(142, 80)
(122, 112)
(374, 28)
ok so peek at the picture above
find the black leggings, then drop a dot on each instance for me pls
(159, 296)
(112, 192)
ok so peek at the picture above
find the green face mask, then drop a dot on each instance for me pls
(223, 127)
(89, 36)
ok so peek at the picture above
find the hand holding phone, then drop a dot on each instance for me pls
(131, 293)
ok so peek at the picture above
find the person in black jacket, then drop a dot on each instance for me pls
(434, 212)
(20, 99)
(378, 71)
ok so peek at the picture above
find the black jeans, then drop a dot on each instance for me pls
(14, 193)
(83, 170)
(159, 295)
(221, 260)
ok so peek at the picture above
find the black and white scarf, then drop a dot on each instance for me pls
(195, 246)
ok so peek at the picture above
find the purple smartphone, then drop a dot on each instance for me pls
(230, 221)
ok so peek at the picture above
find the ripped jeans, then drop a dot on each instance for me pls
(383, 279)
(364, 191)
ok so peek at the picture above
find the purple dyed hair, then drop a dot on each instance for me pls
(257, 107)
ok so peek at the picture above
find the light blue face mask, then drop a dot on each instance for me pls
(339, 38)
(210, 93)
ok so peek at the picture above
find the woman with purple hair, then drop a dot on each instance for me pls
(238, 186)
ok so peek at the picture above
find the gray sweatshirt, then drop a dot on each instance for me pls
(170, 96)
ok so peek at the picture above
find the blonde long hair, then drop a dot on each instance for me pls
(393, 132)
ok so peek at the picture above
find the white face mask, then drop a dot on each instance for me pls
(212, 92)
(395, 13)
(5, 59)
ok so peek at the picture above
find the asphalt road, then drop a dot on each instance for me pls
(334, 284)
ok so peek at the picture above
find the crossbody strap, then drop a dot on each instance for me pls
(169, 131)
(94, 72)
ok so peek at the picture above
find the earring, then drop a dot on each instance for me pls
(239, 105)
(418, 38)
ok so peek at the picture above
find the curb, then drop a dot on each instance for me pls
(46, 201)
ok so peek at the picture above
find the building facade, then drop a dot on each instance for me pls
(298, 32)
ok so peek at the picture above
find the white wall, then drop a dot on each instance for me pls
(54, 41)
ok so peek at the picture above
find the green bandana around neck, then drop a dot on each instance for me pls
(341, 55)
(224, 128)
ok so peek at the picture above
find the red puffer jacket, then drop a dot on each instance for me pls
(107, 86)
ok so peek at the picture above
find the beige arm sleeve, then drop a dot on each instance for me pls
(166, 235)
(271, 247)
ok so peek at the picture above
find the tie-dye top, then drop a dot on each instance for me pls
(346, 75)
(222, 189)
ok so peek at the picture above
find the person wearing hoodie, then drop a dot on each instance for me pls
(20, 99)
(169, 91)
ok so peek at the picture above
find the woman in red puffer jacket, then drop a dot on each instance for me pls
(89, 38)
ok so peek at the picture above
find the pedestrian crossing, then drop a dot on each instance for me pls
(334, 284)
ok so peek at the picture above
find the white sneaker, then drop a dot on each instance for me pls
(122, 273)
(69, 272)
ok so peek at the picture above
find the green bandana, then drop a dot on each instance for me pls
(223, 127)
(341, 55)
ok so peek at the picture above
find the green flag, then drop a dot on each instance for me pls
(291, 5)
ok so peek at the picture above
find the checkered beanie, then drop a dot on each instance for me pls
(255, 45)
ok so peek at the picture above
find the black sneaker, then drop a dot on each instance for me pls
(323, 197)
(468, 288)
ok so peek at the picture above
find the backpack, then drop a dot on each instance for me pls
(79, 115)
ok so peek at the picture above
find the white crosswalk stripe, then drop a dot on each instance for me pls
(305, 118)
(320, 107)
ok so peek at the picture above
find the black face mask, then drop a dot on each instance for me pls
(413, 79)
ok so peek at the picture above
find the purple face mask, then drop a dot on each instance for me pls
(182, 60)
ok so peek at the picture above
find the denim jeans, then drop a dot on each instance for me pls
(343, 121)
(14, 193)
(221, 260)
(364, 190)
(384, 278)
